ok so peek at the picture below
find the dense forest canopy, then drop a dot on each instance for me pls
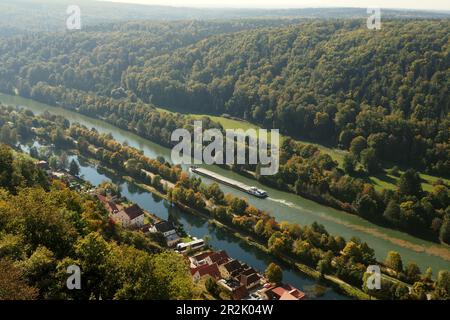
(329, 82)
(382, 95)
(326, 82)
(46, 227)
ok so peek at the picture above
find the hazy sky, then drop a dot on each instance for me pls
(412, 4)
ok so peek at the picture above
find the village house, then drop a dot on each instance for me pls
(284, 292)
(135, 215)
(108, 204)
(219, 257)
(209, 257)
(167, 229)
(164, 227)
(205, 270)
(250, 281)
(200, 259)
(230, 268)
(236, 290)
(43, 165)
(132, 216)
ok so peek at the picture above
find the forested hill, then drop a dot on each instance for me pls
(45, 227)
(326, 81)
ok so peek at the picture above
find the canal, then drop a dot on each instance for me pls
(282, 205)
(199, 227)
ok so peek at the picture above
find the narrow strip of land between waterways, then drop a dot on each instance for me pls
(436, 255)
(339, 284)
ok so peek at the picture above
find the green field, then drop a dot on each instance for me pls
(389, 181)
(380, 181)
(227, 123)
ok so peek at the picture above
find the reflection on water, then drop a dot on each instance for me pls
(199, 227)
(282, 205)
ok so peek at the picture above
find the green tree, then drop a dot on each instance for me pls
(39, 270)
(6, 167)
(442, 290)
(74, 169)
(370, 161)
(274, 273)
(349, 163)
(410, 184)
(63, 161)
(357, 145)
(34, 153)
(419, 291)
(53, 162)
(215, 193)
(13, 286)
(412, 272)
(212, 287)
(394, 261)
(238, 205)
(5, 134)
(93, 253)
(366, 206)
(392, 212)
(172, 279)
(259, 227)
(279, 243)
(444, 232)
(428, 275)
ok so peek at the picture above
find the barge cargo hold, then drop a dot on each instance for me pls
(254, 191)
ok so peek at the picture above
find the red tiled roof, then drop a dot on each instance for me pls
(240, 293)
(293, 295)
(113, 206)
(102, 198)
(288, 292)
(278, 291)
(206, 269)
(203, 255)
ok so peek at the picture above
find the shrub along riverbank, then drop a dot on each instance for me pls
(305, 169)
(311, 246)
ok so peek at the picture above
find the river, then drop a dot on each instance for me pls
(199, 227)
(282, 205)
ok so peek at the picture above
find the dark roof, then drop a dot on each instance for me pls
(133, 211)
(232, 266)
(239, 293)
(164, 226)
(203, 255)
(248, 271)
(250, 279)
(219, 257)
(222, 261)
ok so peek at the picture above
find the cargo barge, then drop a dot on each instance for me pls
(254, 191)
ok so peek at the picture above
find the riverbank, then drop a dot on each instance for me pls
(208, 211)
(333, 281)
(282, 206)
